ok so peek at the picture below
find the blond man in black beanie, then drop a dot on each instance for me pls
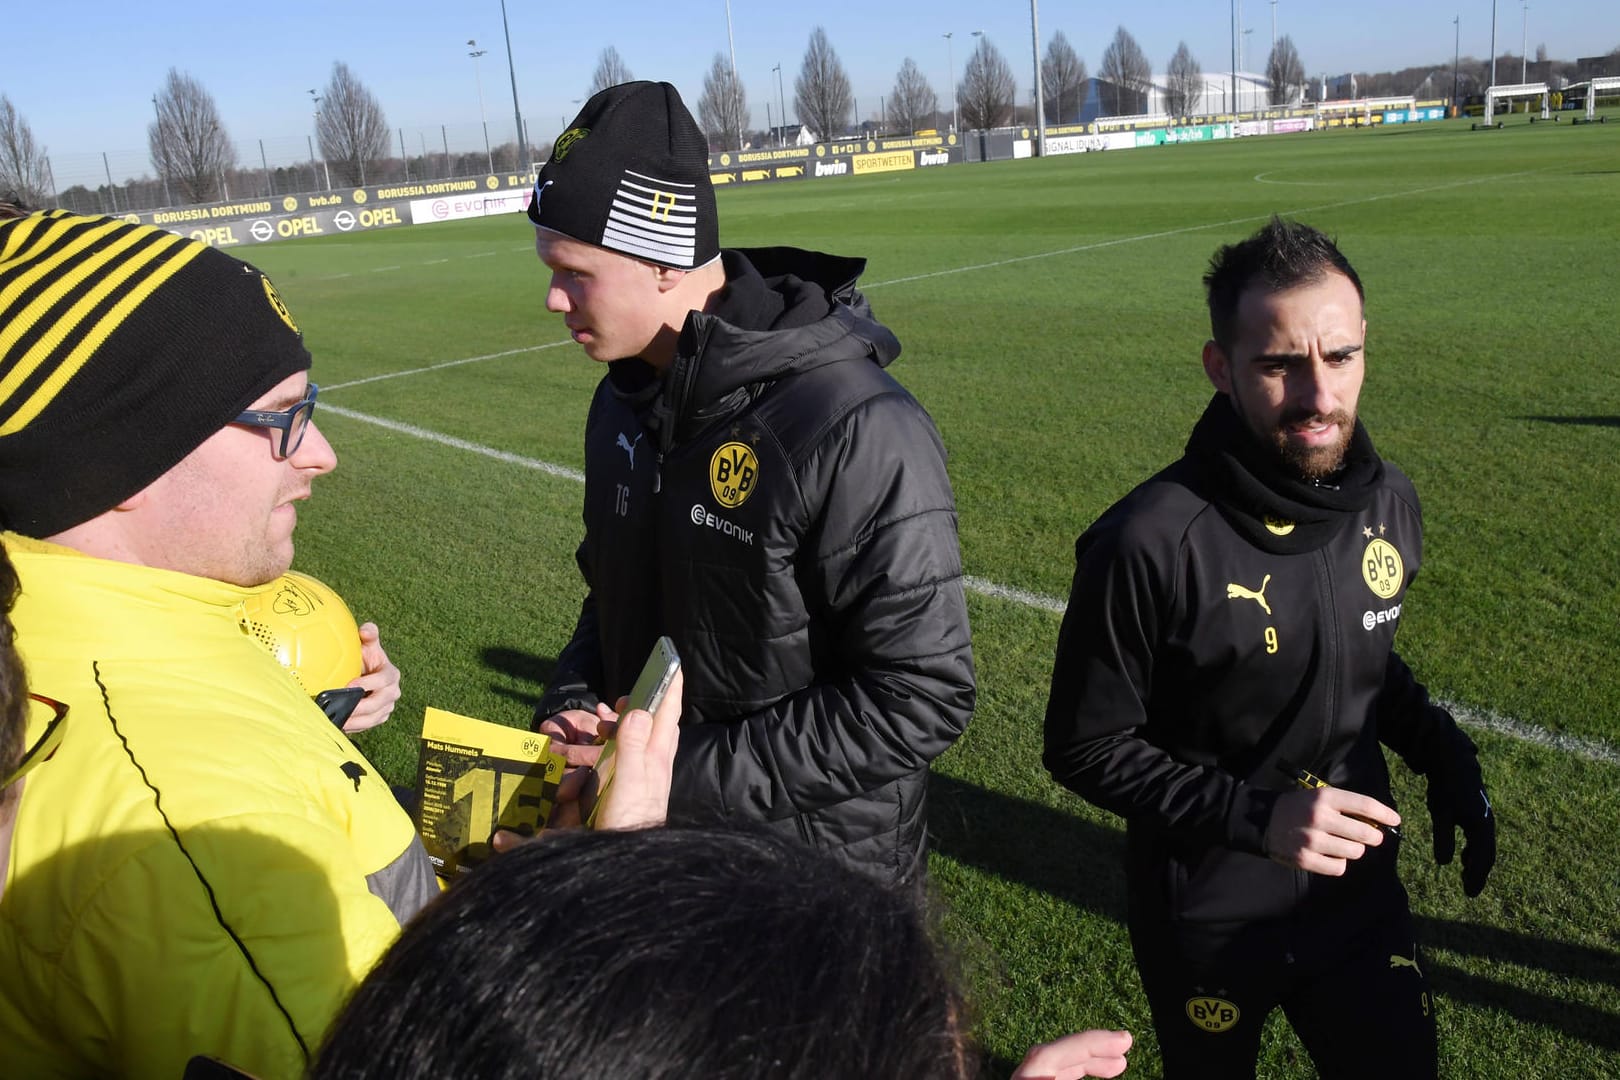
(204, 865)
(759, 489)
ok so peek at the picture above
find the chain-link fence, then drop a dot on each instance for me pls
(121, 181)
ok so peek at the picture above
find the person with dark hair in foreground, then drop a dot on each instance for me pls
(1225, 676)
(673, 953)
(659, 953)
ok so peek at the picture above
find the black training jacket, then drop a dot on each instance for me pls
(778, 505)
(1215, 631)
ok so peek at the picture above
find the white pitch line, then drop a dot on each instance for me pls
(1016, 595)
(437, 367)
(459, 444)
(1200, 228)
(1591, 749)
(986, 266)
(1265, 178)
(1088, 247)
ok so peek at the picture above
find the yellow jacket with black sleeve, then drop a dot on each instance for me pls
(206, 865)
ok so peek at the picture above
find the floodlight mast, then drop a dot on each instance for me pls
(731, 106)
(781, 106)
(1231, 80)
(1493, 42)
(325, 167)
(1524, 47)
(489, 159)
(517, 113)
(1456, 51)
(1040, 94)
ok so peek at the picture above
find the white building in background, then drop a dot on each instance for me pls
(1219, 92)
(790, 135)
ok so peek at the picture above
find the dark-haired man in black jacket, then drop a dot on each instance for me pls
(758, 488)
(1225, 676)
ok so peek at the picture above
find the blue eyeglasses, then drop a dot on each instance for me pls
(292, 422)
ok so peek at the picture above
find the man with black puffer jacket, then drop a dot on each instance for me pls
(1225, 676)
(759, 489)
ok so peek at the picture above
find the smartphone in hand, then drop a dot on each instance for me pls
(339, 703)
(647, 694)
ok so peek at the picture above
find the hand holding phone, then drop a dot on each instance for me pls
(338, 703)
(654, 683)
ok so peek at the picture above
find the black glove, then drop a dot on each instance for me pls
(1457, 800)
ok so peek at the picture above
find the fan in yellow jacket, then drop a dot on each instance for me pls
(205, 865)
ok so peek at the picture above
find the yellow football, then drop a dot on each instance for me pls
(308, 627)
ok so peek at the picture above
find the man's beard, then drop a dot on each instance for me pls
(1312, 464)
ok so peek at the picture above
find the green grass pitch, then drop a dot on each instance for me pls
(1051, 314)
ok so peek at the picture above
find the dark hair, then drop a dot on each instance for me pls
(1281, 255)
(13, 685)
(659, 953)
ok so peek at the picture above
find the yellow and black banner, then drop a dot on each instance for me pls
(258, 230)
(281, 217)
(855, 157)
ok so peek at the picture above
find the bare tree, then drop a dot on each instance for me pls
(1126, 75)
(821, 93)
(23, 168)
(723, 107)
(611, 70)
(1063, 81)
(1284, 70)
(1184, 84)
(351, 128)
(913, 102)
(987, 87)
(188, 142)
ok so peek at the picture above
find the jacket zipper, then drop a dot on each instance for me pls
(1334, 647)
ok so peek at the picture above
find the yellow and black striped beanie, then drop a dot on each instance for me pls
(122, 348)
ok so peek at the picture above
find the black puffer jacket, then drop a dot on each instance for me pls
(778, 505)
(1225, 620)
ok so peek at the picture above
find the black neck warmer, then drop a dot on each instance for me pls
(1273, 508)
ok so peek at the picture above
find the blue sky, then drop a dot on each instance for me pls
(84, 76)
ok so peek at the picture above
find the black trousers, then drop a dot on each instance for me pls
(1350, 983)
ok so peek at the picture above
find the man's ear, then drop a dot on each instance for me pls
(1217, 367)
(667, 277)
